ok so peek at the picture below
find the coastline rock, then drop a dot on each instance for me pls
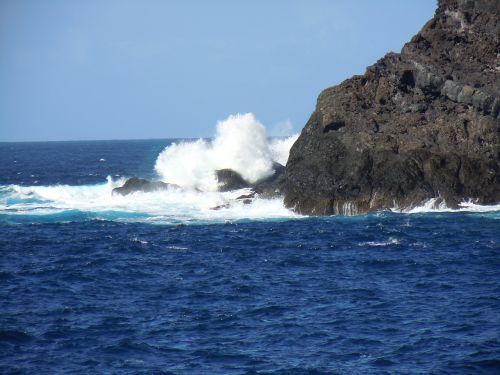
(221, 206)
(269, 187)
(135, 184)
(419, 124)
(246, 196)
(229, 179)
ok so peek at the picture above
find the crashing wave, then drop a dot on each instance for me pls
(438, 205)
(240, 144)
(172, 205)
(191, 195)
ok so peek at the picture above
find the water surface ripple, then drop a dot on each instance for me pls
(383, 293)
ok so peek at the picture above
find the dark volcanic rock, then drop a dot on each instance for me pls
(268, 187)
(420, 124)
(221, 206)
(246, 196)
(135, 184)
(230, 180)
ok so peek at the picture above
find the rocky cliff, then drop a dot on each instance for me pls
(420, 124)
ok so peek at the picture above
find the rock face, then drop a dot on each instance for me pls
(135, 184)
(420, 124)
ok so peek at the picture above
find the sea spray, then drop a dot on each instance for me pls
(240, 144)
(436, 205)
(174, 205)
(280, 148)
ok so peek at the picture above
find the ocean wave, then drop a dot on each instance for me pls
(174, 205)
(240, 144)
(436, 205)
(62, 203)
(389, 242)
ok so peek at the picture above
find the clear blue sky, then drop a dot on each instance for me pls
(119, 69)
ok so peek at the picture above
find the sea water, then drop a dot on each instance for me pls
(162, 282)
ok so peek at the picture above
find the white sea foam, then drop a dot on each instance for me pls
(175, 205)
(172, 205)
(438, 205)
(240, 144)
(280, 148)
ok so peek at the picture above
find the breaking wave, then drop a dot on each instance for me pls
(436, 205)
(59, 203)
(240, 144)
(174, 205)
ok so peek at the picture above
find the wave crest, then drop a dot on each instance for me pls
(240, 144)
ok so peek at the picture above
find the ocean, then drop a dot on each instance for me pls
(164, 283)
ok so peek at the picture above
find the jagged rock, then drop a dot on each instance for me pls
(420, 124)
(465, 95)
(451, 90)
(246, 196)
(221, 206)
(428, 82)
(230, 180)
(136, 184)
(268, 187)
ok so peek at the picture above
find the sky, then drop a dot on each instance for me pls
(122, 69)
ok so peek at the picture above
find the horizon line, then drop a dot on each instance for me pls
(128, 139)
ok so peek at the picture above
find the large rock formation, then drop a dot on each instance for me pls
(420, 124)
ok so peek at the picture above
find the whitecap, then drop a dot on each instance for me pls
(142, 242)
(171, 206)
(438, 205)
(390, 241)
(180, 248)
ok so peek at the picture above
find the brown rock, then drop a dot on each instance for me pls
(417, 125)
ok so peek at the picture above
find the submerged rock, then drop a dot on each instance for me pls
(229, 179)
(246, 196)
(136, 184)
(420, 124)
(221, 206)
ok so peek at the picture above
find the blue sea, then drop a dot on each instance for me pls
(171, 283)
